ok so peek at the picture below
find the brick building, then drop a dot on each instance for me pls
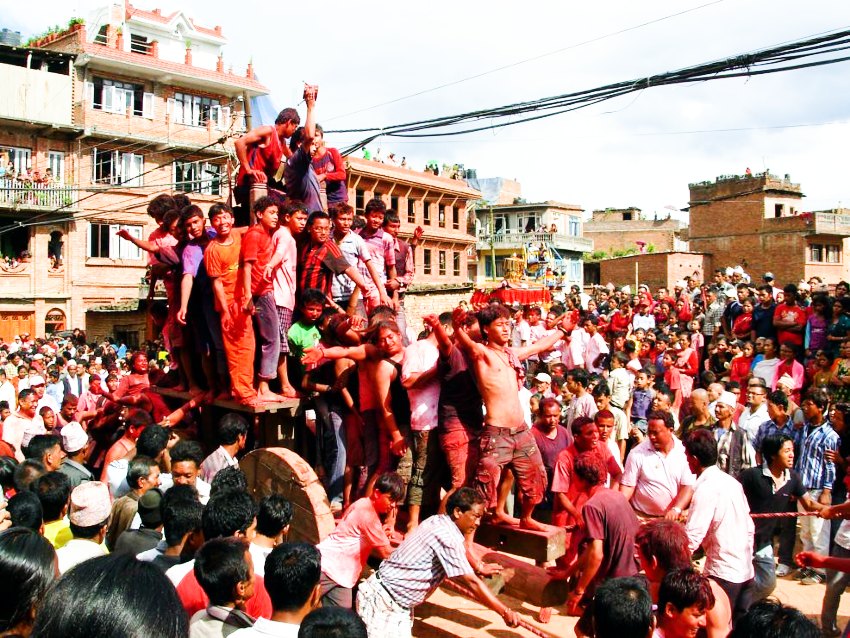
(134, 103)
(654, 269)
(615, 229)
(757, 221)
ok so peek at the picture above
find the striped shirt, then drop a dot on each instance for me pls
(815, 471)
(317, 265)
(711, 322)
(434, 551)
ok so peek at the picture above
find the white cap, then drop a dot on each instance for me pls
(310, 415)
(738, 270)
(71, 362)
(542, 376)
(74, 437)
(36, 380)
(728, 398)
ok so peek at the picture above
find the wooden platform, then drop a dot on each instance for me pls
(539, 546)
(275, 421)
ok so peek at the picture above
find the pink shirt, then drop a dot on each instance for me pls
(345, 550)
(656, 477)
(420, 357)
(283, 243)
(382, 247)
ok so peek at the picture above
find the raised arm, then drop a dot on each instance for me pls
(254, 137)
(310, 123)
(143, 244)
(546, 343)
(444, 343)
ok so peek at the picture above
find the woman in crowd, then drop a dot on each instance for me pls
(27, 568)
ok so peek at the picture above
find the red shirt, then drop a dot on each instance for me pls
(791, 313)
(194, 599)
(256, 250)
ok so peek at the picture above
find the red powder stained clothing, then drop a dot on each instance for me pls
(562, 480)
(346, 549)
(608, 517)
(739, 370)
(256, 250)
(262, 157)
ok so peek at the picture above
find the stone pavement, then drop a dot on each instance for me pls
(449, 615)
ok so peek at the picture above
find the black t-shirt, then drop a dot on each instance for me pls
(763, 321)
(762, 499)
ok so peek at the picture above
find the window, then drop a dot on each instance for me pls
(394, 203)
(54, 321)
(442, 258)
(56, 164)
(441, 215)
(118, 97)
(139, 44)
(427, 212)
(411, 211)
(456, 264)
(575, 271)
(105, 243)
(426, 261)
(574, 227)
(17, 158)
(194, 110)
(197, 177)
(113, 167)
(456, 218)
(833, 254)
(627, 217)
(816, 252)
(360, 201)
(778, 209)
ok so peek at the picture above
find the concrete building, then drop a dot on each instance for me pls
(122, 108)
(757, 221)
(445, 260)
(618, 229)
(513, 230)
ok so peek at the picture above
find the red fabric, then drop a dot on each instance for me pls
(194, 599)
(743, 325)
(530, 296)
(257, 249)
(263, 157)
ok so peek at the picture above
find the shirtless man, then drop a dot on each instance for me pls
(506, 440)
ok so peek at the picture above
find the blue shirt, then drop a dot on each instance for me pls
(815, 471)
(770, 428)
(301, 181)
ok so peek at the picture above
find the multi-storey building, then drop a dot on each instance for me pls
(619, 229)
(520, 230)
(132, 104)
(757, 221)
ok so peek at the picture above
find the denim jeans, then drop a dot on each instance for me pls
(268, 335)
(836, 583)
(764, 581)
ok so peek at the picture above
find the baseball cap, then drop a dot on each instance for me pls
(768, 276)
(542, 376)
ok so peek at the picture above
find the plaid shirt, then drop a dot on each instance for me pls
(770, 428)
(434, 551)
(318, 264)
(712, 318)
(815, 471)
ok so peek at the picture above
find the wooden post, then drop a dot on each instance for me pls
(526, 582)
(257, 191)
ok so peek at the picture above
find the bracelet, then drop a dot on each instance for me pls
(563, 331)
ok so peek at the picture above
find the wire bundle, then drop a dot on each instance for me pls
(786, 57)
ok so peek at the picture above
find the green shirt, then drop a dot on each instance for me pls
(300, 337)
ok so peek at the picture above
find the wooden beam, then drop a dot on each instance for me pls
(539, 546)
(525, 582)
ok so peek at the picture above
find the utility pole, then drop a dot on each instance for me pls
(492, 243)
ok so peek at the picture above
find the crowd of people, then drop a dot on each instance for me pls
(651, 427)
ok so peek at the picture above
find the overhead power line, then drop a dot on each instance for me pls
(825, 49)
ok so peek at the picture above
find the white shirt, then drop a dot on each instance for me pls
(16, 427)
(719, 520)
(656, 477)
(7, 393)
(647, 321)
(595, 346)
(750, 422)
(259, 555)
(265, 627)
(77, 550)
(419, 357)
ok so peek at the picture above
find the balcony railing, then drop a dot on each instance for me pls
(512, 241)
(19, 195)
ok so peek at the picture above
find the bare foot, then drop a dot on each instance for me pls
(501, 518)
(270, 397)
(532, 525)
(544, 615)
(289, 392)
(249, 401)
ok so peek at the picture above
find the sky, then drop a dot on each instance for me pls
(641, 149)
